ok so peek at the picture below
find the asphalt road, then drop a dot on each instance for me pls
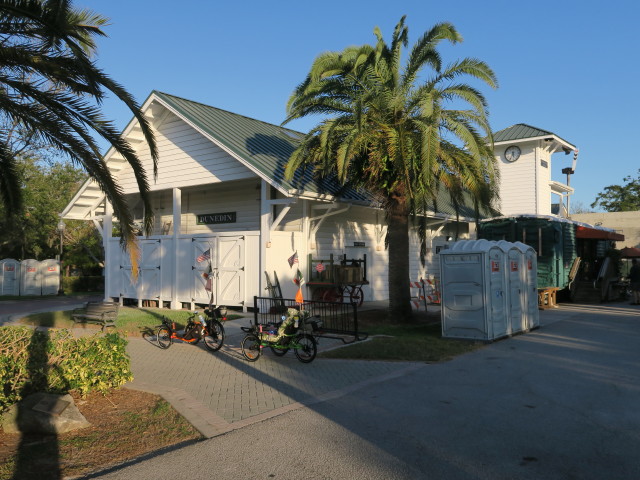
(561, 402)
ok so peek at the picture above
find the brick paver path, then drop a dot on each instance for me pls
(222, 388)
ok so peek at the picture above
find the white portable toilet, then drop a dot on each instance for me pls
(530, 285)
(50, 276)
(9, 277)
(515, 287)
(30, 277)
(472, 289)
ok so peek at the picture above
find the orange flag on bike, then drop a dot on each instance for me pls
(299, 298)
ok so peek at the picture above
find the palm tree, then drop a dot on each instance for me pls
(387, 129)
(50, 86)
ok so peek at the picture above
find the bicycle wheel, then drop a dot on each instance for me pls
(192, 333)
(163, 337)
(356, 297)
(214, 336)
(332, 294)
(251, 348)
(317, 294)
(284, 348)
(305, 348)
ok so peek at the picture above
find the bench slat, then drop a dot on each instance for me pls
(103, 313)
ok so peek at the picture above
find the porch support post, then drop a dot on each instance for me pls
(107, 230)
(265, 232)
(177, 224)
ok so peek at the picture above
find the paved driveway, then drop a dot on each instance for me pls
(558, 403)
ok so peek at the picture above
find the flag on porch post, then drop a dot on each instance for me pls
(293, 259)
(204, 256)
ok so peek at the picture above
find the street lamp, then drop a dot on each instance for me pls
(60, 229)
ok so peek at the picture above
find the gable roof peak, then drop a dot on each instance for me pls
(523, 132)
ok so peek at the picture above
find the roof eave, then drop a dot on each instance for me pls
(556, 138)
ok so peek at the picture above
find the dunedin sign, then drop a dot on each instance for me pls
(214, 218)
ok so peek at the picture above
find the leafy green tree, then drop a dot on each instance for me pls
(51, 87)
(620, 198)
(400, 132)
(46, 190)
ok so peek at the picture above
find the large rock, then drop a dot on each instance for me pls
(44, 413)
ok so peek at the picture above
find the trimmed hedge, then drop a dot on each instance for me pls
(83, 284)
(36, 361)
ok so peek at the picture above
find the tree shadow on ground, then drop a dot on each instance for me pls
(38, 456)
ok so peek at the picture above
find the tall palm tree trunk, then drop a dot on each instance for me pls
(398, 236)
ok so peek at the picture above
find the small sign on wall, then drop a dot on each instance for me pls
(216, 218)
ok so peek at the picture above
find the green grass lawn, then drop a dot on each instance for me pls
(131, 320)
(414, 342)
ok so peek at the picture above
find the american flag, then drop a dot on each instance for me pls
(293, 259)
(204, 256)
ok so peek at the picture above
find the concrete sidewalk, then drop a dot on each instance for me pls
(11, 310)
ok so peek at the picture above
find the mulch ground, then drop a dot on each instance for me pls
(125, 424)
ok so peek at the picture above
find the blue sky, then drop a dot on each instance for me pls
(567, 66)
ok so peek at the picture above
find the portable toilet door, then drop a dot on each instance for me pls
(530, 285)
(515, 288)
(50, 276)
(472, 291)
(30, 277)
(9, 277)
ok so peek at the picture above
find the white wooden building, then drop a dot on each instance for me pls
(220, 190)
(524, 155)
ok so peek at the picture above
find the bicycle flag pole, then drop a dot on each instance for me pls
(299, 281)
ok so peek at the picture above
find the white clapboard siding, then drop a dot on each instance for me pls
(186, 158)
(518, 184)
(240, 197)
(544, 188)
(293, 221)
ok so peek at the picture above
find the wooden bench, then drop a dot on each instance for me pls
(547, 298)
(102, 313)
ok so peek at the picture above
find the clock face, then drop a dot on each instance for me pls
(512, 153)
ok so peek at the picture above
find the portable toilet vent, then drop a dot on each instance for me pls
(473, 290)
(9, 277)
(530, 285)
(50, 276)
(30, 277)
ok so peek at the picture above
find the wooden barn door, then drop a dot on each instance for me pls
(229, 267)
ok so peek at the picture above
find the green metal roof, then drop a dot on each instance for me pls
(522, 131)
(266, 148)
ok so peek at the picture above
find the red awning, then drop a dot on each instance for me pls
(598, 234)
(630, 252)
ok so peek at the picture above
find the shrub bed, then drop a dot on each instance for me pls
(39, 361)
(83, 284)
